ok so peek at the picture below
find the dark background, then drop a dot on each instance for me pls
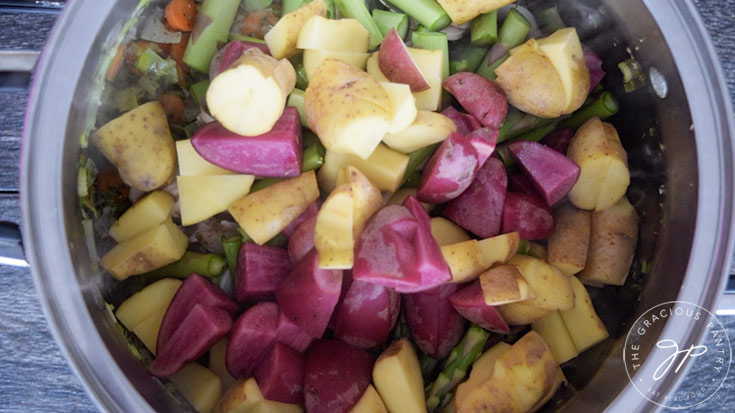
(34, 376)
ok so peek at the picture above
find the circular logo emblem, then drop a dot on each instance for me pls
(708, 361)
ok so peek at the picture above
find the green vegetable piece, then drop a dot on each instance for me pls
(469, 60)
(514, 30)
(551, 20)
(296, 100)
(264, 183)
(206, 265)
(416, 159)
(428, 12)
(356, 9)
(255, 5)
(387, 20)
(211, 28)
(232, 246)
(279, 241)
(158, 68)
(199, 91)
(244, 235)
(603, 107)
(484, 29)
(433, 41)
(241, 37)
(313, 158)
(126, 99)
(487, 69)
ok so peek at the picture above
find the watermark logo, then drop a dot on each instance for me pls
(708, 362)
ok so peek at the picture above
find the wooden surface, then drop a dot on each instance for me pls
(34, 376)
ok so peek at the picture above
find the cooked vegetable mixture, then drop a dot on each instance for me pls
(350, 206)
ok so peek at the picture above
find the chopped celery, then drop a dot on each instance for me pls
(433, 41)
(309, 138)
(211, 29)
(484, 29)
(468, 60)
(387, 20)
(199, 91)
(255, 5)
(428, 12)
(160, 69)
(356, 9)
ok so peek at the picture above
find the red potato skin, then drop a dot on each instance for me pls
(281, 375)
(480, 208)
(260, 270)
(251, 339)
(481, 97)
(430, 261)
(397, 64)
(277, 153)
(311, 211)
(519, 182)
(484, 140)
(529, 215)
(594, 65)
(337, 375)
(302, 240)
(470, 303)
(465, 122)
(346, 283)
(449, 171)
(199, 331)
(367, 315)
(309, 294)
(292, 335)
(226, 56)
(552, 173)
(194, 290)
(434, 324)
(559, 140)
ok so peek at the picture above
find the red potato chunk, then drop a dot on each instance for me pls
(309, 294)
(251, 339)
(302, 240)
(465, 122)
(529, 215)
(479, 209)
(520, 182)
(552, 173)
(559, 140)
(470, 303)
(281, 375)
(276, 153)
(430, 261)
(337, 375)
(484, 140)
(226, 56)
(594, 65)
(311, 211)
(367, 315)
(449, 171)
(292, 335)
(479, 96)
(434, 324)
(397, 64)
(260, 270)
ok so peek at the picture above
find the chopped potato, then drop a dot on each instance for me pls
(427, 129)
(148, 212)
(343, 35)
(202, 197)
(397, 377)
(192, 164)
(464, 260)
(446, 232)
(199, 386)
(384, 168)
(462, 11)
(314, 57)
(282, 38)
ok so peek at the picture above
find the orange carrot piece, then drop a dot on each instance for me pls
(116, 64)
(173, 105)
(180, 14)
(177, 51)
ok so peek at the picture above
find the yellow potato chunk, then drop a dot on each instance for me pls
(199, 386)
(482, 370)
(462, 11)
(265, 213)
(604, 176)
(343, 35)
(140, 145)
(217, 363)
(147, 331)
(557, 382)
(613, 239)
(333, 238)
(384, 168)
(522, 313)
(554, 332)
(499, 249)
(464, 260)
(584, 326)
(270, 406)
(446, 232)
(240, 396)
(347, 109)
(148, 302)
(192, 164)
(202, 197)
(427, 129)
(248, 98)
(402, 106)
(148, 212)
(314, 57)
(550, 285)
(430, 64)
(282, 38)
(565, 52)
(568, 244)
(370, 402)
(148, 251)
(505, 284)
(397, 377)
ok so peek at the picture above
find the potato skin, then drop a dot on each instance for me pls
(522, 313)
(614, 236)
(531, 82)
(140, 145)
(568, 244)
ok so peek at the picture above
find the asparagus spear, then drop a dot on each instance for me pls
(517, 123)
(232, 249)
(484, 29)
(313, 157)
(387, 20)
(416, 158)
(455, 367)
(296, 99)
(428, 12)
(199, 91)
(212, 27)
(356, 9)
(261, 184)
(243, 38)
(513, 32)
(433, 41)
(603, 107)
(207, 265)
(291, 5)
(428, 365)
(469, 59)
(551, 20)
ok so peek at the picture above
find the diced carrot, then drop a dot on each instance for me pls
(180, 14)
(173, 105)
(177, 51)
(116, 64)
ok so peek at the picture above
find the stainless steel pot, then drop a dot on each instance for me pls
(686, 226)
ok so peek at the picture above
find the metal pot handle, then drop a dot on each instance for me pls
(11, 245)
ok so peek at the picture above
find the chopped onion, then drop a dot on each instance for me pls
(455, 32)
(155, 31)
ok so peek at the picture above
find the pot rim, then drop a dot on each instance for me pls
(47, 242)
